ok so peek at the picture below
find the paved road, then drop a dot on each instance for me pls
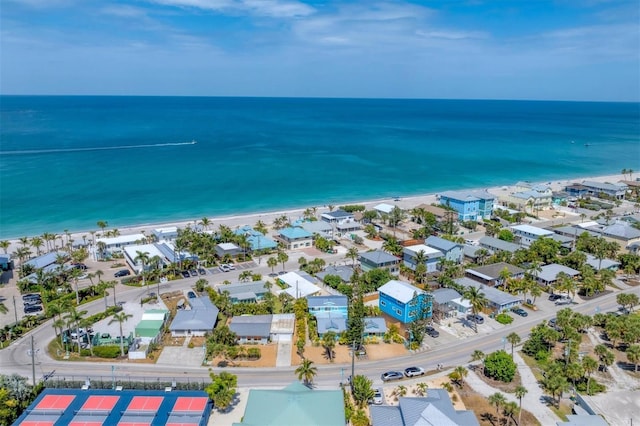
(17, 359)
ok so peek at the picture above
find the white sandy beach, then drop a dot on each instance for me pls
(292, 214)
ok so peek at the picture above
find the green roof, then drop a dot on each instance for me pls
(148, 328)
(294, 405)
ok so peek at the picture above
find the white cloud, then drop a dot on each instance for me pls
(270, 8)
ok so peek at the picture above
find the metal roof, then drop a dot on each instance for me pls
(400, 290)
(440, 243)
(323, 301)
(293, 233)
(379, 257)
(550, 272)
(493, 295)
(202, 316)
(251, 325)
(497, 244)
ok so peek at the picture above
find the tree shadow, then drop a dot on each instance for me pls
(489, 417)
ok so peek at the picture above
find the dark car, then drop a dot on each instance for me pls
(193, 273)
(80, 266)
(191, 295)
(32, 308)
(185, 274)
(554, 297)
(432, 331)
(477, 318)
(520, 311)
(31, 296)
(202, 271)
(122, 273)
(391, 375)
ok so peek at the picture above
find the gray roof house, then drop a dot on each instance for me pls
(374, 327)
(345, 272)
(452, 251)
(337, 216)
(442, 302)
(379, 259)
(319, 227)
(332, 322)
(227, 248)
(598, 264)
(197, 321)
(250, 292)
(46, 259)
(549, 273)
(490, 274)
(435, 409)
(495, 245)
(252, 328)
(498, 299)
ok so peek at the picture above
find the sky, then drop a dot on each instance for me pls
(457, 49)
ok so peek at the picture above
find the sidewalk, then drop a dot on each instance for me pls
(531, 402)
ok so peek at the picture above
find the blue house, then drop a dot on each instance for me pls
(453, 252)
(404, 302)
(6, 263)
(323, 306)
(256, 239)
(470, 205)
(295, 238)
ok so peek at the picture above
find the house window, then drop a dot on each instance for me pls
(397, 311)
(383, 303)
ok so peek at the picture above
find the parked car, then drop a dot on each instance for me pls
(224, 268)
(391, 375)
(476, 318)
(563, 301)
(185, 274)
(122, 273)
(552, 323)
(377, 396)
(414, 371)
(191, 295)
(519, 311)
(80, 266)
(231, 266)
(31, 296)
(432, 331)
(554, 297)
(32, 302)
(32, 309)
(193, 273)
(202, 271)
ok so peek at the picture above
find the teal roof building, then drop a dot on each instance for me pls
(294, 405)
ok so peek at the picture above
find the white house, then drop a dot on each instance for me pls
(527, 234)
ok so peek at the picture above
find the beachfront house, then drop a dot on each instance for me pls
(322, 306)
(493, 275)
(453, 252)
(375, 259)
(438, 212)
(434, 409)
(337, 216)
(162, 253)
(529, 197)
(6, 263)
(527, 234)
(106, 246)
(245, 292)
(317, 227)
(430, 257)
(404, 302)
(470, 205)
(167, 233)
(46, 262)
(576, 190)
(497, 300)
(295, 238)
(613, 190)
(256, 239)
(548, 274)
(227, 249)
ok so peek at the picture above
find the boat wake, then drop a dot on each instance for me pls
(97, 148)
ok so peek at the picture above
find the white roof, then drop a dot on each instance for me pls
(400, 290)
(150, 249)
(166, 230)
(532, 230)
(122, 239)
(422, 247)
(461, 302)
(153, 316)
(384, 208)
(298, 286)
(589, 224)
(228, 246)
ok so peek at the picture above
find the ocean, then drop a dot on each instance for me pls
(68, 162)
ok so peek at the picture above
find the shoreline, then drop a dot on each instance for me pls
(267, 217)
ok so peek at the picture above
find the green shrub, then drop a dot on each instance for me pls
(108, 351)
(254, 353)
(594, 387)
(499, 365)
(504, 318)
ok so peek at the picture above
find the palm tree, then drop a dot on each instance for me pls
(422, 388)
(4, 244)
(205, 222)
(306, 372)
(509, 409)
(514, 339)
(477, 300)
(86, 323)
(633, 355)
(498, 400)
(477, 355)
(352, 254)
(282, 258)
(589, 365)
(73, 318)
(329, 342)
(272, 262)
(458, 374)
(144, 259)
(520, 392)
(120, 318)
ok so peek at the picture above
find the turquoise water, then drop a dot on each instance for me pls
(67, 162)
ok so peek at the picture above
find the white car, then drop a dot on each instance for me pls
(414, 371)
(231, 266)
(224, 268)
(377, 397)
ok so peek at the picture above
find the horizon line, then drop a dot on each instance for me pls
(319, 98)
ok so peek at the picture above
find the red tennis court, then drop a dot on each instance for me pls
(194, 404)
(145, 403)
(100, 403)
(55, 402)
(37, 423)
(133, 424)
(82, 423)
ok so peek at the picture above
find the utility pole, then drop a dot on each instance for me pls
(33, 362)
(15, 310)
